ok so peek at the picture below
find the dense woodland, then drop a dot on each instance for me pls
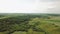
(29, 23)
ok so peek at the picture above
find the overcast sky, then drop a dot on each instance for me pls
(29, 6)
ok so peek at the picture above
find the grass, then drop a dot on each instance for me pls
(19, 32)
(51, 26)
(3, 32)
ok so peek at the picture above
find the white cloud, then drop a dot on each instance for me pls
(56, 8)
(25, 6)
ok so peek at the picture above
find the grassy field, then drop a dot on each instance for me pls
(30, 24)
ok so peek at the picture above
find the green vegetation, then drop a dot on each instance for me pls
(29, 23)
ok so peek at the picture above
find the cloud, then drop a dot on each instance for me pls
(29, 6)
(49, 0)
(56, 9)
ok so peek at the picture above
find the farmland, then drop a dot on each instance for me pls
(17, 23)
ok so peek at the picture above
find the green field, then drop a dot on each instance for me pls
(29, 23)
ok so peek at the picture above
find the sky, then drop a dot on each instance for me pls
(29, 6)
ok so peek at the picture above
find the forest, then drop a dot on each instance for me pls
(34, 23)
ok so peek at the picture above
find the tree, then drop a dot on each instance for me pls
(35, 24)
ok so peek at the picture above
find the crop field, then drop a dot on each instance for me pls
(19, 23)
